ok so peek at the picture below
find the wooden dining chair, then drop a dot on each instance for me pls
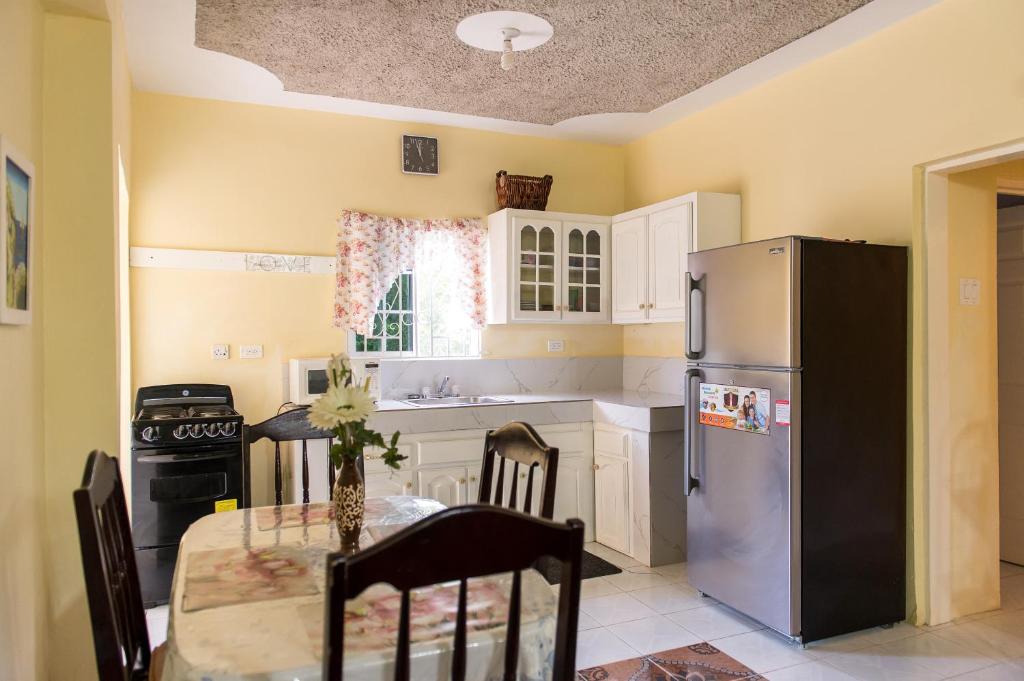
(291, 426)
(112, 586)
(519, 443)
(502, 541)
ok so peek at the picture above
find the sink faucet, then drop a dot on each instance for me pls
(442, 390)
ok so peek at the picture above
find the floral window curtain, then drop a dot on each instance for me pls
(373, 250)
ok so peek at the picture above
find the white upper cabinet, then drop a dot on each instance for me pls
(668, 243)
(629, 249)
(650, 246)
(548, 267)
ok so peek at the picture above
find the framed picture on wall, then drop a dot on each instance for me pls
(17, 228)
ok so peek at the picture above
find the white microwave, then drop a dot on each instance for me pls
(307, 378)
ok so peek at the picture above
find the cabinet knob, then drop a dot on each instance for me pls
(408, 485)
(596, 467)
(650, 306)
(642, 306)
(462, 481)
(522, 476)
(472, 478)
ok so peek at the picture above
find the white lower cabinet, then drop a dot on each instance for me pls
(447, 485)
(612, 488)
(446, 467)
(387, 484)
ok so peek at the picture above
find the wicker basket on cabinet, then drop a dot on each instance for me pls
(522, 191)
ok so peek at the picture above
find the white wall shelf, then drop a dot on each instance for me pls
(229, 261)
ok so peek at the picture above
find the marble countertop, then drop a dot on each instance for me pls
(647, 411)
(623, 398)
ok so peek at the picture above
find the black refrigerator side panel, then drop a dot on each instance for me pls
(853, 437)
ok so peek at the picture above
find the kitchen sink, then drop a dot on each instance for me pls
(455, 401)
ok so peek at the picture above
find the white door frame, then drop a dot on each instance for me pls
(933, 244)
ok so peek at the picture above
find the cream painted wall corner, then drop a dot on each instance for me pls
(23, 602)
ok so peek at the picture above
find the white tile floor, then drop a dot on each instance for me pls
(645, 610)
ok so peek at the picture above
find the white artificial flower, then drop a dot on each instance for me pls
(337, 369)
(340, 404)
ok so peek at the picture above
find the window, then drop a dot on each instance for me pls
(393, 323)
(419, 317)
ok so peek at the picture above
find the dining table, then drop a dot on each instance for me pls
(248, 596)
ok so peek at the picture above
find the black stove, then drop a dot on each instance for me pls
(187, 462)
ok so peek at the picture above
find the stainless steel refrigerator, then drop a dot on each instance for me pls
(796, 448)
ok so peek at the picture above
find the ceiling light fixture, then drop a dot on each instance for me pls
(495, 31)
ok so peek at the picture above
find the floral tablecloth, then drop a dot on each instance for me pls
(232, 636)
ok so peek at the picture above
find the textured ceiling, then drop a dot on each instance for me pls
(605, 57)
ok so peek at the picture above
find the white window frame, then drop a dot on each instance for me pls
(416, 352)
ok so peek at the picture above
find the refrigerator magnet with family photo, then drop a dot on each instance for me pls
(735, 407)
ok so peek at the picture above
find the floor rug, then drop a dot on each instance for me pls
(592, 567)
(699, 662)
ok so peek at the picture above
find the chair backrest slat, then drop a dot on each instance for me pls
(512, 631)
(402, 654)
(500, 486)
(278, 486)
(502, 540)
(528, 502)
(291, 426)
(521, 444)
(330, 471)
(515, 486)
(305, 472)
(459, 654)
(120, 637)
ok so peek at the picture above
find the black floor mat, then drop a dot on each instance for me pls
(592, 567)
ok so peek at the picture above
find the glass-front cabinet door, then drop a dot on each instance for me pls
(586, 262)
(538, 250)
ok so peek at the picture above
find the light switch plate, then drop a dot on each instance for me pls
(220, 351)
(970, 292)
(556, 346)
(250, 351)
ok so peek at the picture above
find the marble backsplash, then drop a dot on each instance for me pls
(399, 378)
(653, 374)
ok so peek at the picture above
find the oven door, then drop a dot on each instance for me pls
(174, 487)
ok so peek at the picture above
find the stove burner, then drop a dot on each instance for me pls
(211, 410)
(162, 413)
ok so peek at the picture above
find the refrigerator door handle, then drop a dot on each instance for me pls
(689, 403)
(695, 290)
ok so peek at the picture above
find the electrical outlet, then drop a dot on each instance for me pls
(250, 351)
(556, 346)
(220, 351)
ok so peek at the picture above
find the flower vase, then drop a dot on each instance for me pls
(349, 504)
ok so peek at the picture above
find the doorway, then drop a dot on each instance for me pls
(1010, 306)
(956, 383)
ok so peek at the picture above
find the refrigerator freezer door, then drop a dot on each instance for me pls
(743, 520)
(744, 305)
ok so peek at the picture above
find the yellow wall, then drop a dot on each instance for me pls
(974, 389)
(23, 649)
(223, 176)
(80, 324)
(829, 149)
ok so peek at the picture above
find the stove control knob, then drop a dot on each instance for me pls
(196, 430)
(211, 429)
(150, 433)
(180, 433)
(228, 429)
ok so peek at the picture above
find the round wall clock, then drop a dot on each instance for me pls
(419, 155)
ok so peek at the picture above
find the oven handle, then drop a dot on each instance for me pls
(176, 458)
(193, 500)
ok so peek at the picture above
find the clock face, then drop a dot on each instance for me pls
(419, 155)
